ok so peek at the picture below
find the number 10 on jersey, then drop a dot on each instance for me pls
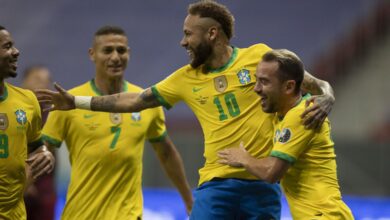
(231, 104)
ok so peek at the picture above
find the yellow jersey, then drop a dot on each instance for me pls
(310, 184)
(105, 153)
(226, 106)
(20, 128)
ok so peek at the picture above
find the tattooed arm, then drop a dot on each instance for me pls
(322, 100)
(125, 102)
(122, 102)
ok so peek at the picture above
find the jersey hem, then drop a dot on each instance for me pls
(51, 140)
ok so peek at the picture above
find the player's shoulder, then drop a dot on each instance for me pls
(294, 114)
(130, 87)
(256, 48)
(253, 52)
(20, 93)
(83, 89)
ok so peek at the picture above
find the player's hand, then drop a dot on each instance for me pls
(41, 161)
(315, 114)
(235, 157)
(60, 100)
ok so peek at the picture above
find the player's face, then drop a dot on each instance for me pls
(268, 86)
(195, 41)
(8, 55)
(38, 79)
(110, 53)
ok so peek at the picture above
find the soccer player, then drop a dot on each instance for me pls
(218, 86)
(40, 196)
(20, 135)
(303, 159)
(105, 149)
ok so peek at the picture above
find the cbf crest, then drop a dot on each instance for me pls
(21, 116)
(220, 83)
(244, 77)
(283, 136)
(3, 121)
(136, 116)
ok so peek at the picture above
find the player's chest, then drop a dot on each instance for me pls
(101, 123)
(223, 95)
(15, 118)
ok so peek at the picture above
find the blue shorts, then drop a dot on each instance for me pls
(228, 199)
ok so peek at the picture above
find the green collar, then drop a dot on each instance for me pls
(97, 90)
(5, 94)
(228, 64)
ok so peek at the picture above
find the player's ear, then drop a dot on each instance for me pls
(213, 31)
(91, 54)
(290, 86)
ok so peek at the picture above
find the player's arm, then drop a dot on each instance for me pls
(40, 160)
(322, 99)
(122, 102)
(269, 169)
(172, 163)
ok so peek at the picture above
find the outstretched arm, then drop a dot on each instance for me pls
(173, 165)
(322, 99)
(122, 102)
(269, 169)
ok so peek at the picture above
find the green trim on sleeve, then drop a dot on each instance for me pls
(51, 140)
(5, 94)
(160, 138)
(160, 99)
(283, 156)
(35, 144)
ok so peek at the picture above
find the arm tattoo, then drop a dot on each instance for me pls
(104, 103)
(310, 84)
(149, 99)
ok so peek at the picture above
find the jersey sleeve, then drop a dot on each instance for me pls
(34, 131)
(292, 138)
(168, 91)
(55, 128)
(157, 130)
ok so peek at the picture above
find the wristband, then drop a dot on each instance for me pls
(83, 102)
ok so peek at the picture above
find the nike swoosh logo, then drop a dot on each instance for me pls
(196, 89)
(88, 116)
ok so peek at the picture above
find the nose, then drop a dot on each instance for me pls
(15, 52)
(115, 56)
(258, 87)
(184, 42)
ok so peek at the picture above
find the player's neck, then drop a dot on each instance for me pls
(289, 103)
(109, 86)
(220, 57)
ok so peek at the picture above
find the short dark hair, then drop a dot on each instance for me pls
(290, 66)
(2, 28)
(109, 29)
(216, 11)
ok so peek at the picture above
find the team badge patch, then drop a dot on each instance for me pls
(3, 121)
(116, 118)
(21, 116)
(220, 83)
(284, 136)
(244, 77)
(136, 116)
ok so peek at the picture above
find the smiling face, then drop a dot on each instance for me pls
(8, 55)
(195, 40)
(110, 53)
(268, 86)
